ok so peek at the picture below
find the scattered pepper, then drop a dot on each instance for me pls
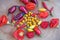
(30, 6)
(44, 14)
(54, 22)
(37, 30)
(19, 34)
(30, 34)
(44, 24)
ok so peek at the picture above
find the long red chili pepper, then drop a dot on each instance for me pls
(45, 6)
(51, 11)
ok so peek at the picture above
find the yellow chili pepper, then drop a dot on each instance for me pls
(39, 22)
(31, 27)
(30, 30)
(42, 9)
(30, 23)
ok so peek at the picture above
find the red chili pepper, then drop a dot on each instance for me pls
(30, 34)
(51, 11)
(19, 34)
(44, 24)
(24, 1)
(37, 31)
(54, 22)
(45, 6)
(23, 9)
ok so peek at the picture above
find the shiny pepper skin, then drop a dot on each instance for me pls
(19, 16)
(24, 1)
(37, 31)
(30, 34)
(12, 9)
(19, 34)
(23, 9)
(44, 24)
(3, 20)
(54, 22)
(30, 6)
(44, 14)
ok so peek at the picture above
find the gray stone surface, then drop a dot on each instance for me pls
(47, 34)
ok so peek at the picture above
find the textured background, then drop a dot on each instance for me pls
(47, 34)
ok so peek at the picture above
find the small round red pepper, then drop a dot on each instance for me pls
(44, 14)
(30, 34)
(19, 34)
(54, 22)
(3, 20)
(44, 24)
(30, 6)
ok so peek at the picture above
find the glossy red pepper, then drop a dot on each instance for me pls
(3, 20)
(19, 34)
(30, 6)
(54, 22)
(44, 24)
(44, 14)
(37, 31)
(44, 5)
(23, 9)
(30, 34)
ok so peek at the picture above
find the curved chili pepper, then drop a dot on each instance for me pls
(24, 1)
(37, 31)
(12, 10)
(23, 9)
(19, 16)
(44, 5)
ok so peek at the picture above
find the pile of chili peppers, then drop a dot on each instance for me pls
(27, 22)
